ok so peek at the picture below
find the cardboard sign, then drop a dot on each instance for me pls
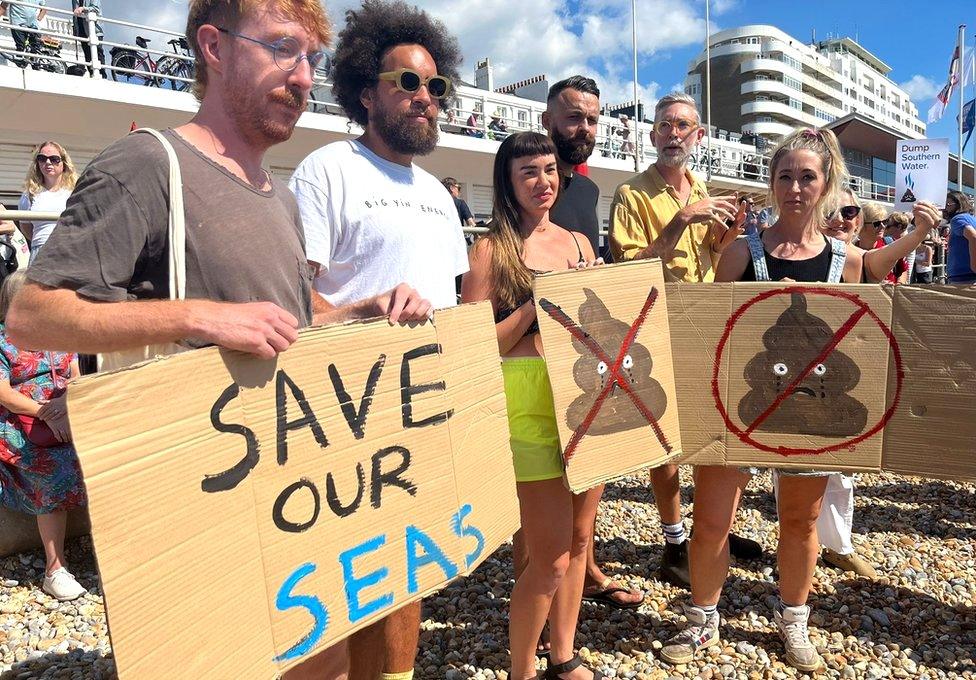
(246, 513)
(826, 377)
(606, 338)
(921, 172)
(933, 430)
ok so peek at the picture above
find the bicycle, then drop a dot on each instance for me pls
(44, 51)
(142, 69)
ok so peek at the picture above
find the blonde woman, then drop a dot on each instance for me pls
(51, 178)
(871, 233)
(805, 174)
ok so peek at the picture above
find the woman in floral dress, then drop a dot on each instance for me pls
(37, 480)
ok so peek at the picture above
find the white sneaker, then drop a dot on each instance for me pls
(800, 652)
(700, 632)
(62, 585)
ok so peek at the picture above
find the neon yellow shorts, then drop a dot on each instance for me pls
(532, 420)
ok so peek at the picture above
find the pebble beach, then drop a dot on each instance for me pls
(918, 620)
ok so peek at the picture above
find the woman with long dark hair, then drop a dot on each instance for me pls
(556, 525)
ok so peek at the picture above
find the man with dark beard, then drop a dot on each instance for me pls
(571, 117)
(372, 217)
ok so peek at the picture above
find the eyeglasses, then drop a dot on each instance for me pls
(848, 212)
(53, 160)
(287, 52)
(681, 126)
(408, 80)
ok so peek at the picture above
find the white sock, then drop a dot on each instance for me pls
(674, 533)
(709, 609)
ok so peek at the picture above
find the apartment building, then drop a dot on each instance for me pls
(766, 83)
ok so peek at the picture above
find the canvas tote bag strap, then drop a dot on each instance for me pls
(176, 237)
(177, 221)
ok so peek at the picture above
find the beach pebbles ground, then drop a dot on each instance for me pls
(918, 620)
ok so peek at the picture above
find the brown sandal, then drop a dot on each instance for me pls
(555, 670)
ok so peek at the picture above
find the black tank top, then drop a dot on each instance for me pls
(811, 270)
(533, 328)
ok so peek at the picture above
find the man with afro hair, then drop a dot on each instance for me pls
(374, 220)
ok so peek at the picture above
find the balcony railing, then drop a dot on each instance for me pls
(145, 66)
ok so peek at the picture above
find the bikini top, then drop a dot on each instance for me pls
(506, 312)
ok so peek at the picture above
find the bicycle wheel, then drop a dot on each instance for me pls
(52, 65)
(180, 68)
(131, 61)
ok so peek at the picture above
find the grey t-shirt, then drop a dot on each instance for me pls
(242, 244)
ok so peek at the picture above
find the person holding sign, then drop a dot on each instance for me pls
(961, 260)
(666, 212)
(845, 223)
(374, 219)
(805, 175)
(556, 525)
(100, 282)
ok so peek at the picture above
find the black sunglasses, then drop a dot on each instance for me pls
(55, 160)
(408, 80)
(848, 212)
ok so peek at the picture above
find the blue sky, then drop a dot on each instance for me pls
(561, 37)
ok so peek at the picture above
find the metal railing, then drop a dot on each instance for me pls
(134, 63)
(143, 65)
(938, 263)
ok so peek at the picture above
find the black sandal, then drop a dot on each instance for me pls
(555, 670)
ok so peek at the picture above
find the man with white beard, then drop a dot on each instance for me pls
(666, 212)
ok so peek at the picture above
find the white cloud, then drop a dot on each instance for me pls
(920, 88)
(524, 39)
(723, 6)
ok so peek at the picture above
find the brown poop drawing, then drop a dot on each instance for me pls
(618, 412)
(820, 404)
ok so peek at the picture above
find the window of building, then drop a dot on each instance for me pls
(883, 172)
(796, 104)
(793, 82)
(858, 163)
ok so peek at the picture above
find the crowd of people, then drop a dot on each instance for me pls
(98, 282)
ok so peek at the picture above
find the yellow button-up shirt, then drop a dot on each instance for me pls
(642, 207)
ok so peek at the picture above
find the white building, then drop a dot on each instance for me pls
(767, 83)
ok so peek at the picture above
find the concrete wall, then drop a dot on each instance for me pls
(18, 532)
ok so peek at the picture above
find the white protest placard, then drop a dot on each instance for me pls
(921, 172)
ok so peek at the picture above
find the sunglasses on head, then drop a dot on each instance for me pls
(847, 212)
(408, 80)
(54, 160)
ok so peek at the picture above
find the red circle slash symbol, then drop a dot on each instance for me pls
(861, 309)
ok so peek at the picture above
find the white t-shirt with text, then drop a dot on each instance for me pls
(372, 224)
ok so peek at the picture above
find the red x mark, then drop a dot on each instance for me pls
(614, 368)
